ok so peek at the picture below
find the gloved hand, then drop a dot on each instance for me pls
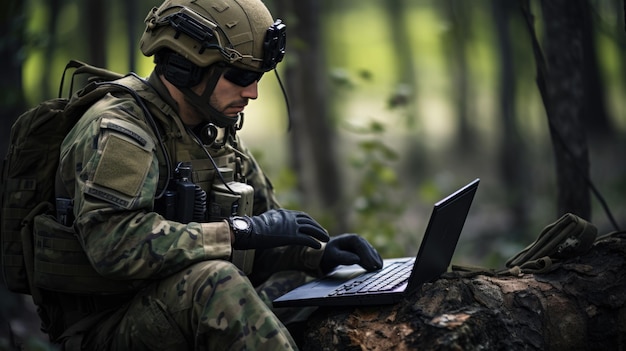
(350, 249)
(277, 228)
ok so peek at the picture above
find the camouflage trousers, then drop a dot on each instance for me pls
(210, 306)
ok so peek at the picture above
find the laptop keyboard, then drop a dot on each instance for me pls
(387, 279)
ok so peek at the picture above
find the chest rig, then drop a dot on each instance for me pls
(202, 173)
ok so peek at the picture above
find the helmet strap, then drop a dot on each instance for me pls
(201, 102)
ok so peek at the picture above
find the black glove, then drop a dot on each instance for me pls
(277, 228)
(350, 249)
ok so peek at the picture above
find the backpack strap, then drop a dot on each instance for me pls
(143, 94)
(94, 74)
(136, 87)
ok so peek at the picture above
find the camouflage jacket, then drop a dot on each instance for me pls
(111, 167)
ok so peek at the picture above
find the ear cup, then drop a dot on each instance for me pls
(181, 72)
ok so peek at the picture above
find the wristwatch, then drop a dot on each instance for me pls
(240, 225)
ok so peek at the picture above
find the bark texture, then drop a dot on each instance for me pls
(578, 306)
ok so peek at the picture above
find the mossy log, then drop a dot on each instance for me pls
(578, 306)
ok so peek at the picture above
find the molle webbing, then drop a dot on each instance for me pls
(62, 265)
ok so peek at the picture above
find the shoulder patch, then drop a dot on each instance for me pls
(125, 161)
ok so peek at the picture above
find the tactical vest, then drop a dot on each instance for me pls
(60, 263)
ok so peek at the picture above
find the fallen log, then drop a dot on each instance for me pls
(581, 305)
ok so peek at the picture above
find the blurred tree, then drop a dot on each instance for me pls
(512, 151)
(95, 23)
(312, 138)
(560, 78)
(619, 28)
(50, 46)
(12, 56)
(458, 14)
(594, 113)
(132, 17)
(406, 78)
(406, 92)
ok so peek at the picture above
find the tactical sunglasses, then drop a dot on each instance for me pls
(242, 77)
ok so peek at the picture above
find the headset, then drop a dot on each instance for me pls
(178, 70)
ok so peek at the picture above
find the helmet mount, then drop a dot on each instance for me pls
(183, 22)
(274, 44)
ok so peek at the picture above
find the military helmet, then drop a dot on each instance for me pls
(240, 33)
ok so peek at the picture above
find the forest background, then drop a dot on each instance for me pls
(392, 104)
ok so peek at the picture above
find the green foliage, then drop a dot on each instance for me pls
(377, 201)
(284, 181)
(341, 78)
(285, 185)
(377, 206)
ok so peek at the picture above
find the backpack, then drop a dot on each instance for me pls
(29, 173)
(568, 237)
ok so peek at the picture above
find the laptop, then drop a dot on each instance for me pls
(399, 277)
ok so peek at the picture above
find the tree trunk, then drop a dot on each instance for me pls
(312, 137)
(579, 306)
(595, 114)
(96, 24)
(560, 81)
(406, 90)
(131, 15)
(459, 15)
(512, 151)
(49, 88)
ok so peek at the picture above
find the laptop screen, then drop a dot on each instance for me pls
(441, 236)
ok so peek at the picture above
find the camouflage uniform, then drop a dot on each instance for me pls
(191, 296)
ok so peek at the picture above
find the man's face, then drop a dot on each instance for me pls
(230, 99)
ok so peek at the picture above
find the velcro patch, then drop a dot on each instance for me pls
(123, 166)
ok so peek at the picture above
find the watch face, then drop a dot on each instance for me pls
(240, 224)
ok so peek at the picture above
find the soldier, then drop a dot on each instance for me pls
(173, 211)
